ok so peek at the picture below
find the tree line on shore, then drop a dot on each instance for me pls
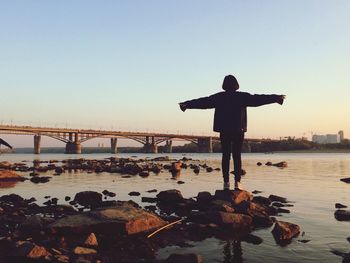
(289, 144)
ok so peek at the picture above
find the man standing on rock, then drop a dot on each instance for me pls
(230, 120)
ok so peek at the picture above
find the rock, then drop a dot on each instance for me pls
(278, 198)
(256, 192)
(339, 205)
(196, 170)
(184, 258)
(283, 210)
(5, 165)
(281, 164)
(342, 215)
(233, 220)
(233, 196)
(133, 193)
(30, 250)
(122, 219)
(59, 170)
(40, 179)
(258, 212)
(67, 198)
(88, 198)
(209, 169)
(180, 182)
(345, 180)
(258, 163)
(285, 231)
(252, 239)
(91, 240)
(84, 251)
(268, 163)
(262, 200)
(170, 196)
(204, 197)
(221, 205)
(144, 174)
(149, 199)
(34, 224)
(152, 191)
(346, 258)
(8, 175)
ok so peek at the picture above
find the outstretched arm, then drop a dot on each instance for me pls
(259, 100)
(201, 103)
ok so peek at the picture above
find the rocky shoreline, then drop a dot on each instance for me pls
(96, 227)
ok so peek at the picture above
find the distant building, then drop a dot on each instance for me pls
(341, 135)
(329, 138)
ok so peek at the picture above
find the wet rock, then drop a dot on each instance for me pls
(91, 240)
(5, 165)
(30, 250)
(84, 251)
(12, 198)
(258, 163)
(8, 175)
(259, 213)
(233, 196)
(67, 198)
(283, 164)
(204, 197)
(252, 239)
(196, 170)
(88, 198)
(152, 191)
(256, 192)
(149, 199)
(180, 182)
(339, 205)
(262, 200)
(59, 170)
(40, 179)
(342, 215)
(144, 174)
(133, 193)
(122, 219)
(34, 224)
(285, 231)
(209, 169)
(278, 199)
(232, 220)
(345, 180)
(268, 163)
(283, 210)
(221, 205)
(170, 196)
(184, 258)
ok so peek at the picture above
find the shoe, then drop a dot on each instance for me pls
(226, 185)
(238, 186)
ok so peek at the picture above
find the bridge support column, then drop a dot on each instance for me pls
(113, 145)
(37, 140)
(169, 146)
(150, 146)
(73, 147)
(205, 145)
(247, 147)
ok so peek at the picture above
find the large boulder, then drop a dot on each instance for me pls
(283, 232)
(121, 219)
(170, 197)
(259, 213)
(233, 196)
(88, 198)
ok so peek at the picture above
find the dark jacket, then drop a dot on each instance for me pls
(230, 108)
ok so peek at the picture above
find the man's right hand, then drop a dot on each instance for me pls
(281, 99)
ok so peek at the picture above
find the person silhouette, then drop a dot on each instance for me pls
(230, 120)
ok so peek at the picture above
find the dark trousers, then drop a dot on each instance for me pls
(231, 143)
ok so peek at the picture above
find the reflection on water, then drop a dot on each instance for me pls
(8, 184)
(311, 181)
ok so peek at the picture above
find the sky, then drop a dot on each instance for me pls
(124, 65)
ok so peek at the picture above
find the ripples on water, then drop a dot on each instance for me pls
(311, 181)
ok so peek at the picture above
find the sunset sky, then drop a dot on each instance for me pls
(124, 65)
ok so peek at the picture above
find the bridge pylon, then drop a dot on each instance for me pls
(37, 141)
(205, 145)
(113, 145)
(73, 146)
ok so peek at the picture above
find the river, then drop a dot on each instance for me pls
(311, 181)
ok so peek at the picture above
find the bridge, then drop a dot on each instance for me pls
(73, 138)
